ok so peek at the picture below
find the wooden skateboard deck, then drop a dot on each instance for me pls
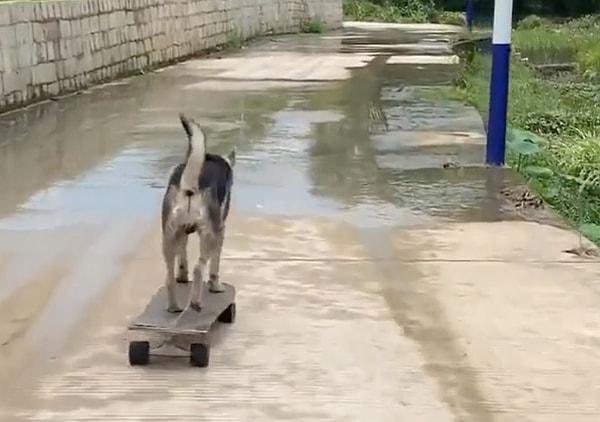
(189, 322)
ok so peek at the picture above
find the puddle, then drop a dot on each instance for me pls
(367, 150)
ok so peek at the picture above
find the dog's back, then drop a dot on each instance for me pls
(214, 182)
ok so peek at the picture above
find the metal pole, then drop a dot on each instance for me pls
(499, 81)
(469, 12)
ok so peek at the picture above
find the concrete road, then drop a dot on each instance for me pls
(373, 282)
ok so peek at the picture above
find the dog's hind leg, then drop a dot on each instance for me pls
(214, 282)
(169, 247)
(182, 261)
(199, 272)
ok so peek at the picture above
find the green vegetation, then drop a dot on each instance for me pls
(451, 11)
(399, 11)
(556, 8)
(312, 25)
(573, 41)
(554, 138)
(235, 40)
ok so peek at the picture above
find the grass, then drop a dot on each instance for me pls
(576, 41)
(554, 135)
(235, 40)
(399, 11)
(312, 25)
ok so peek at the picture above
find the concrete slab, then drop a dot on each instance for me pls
(422, 59)
(520, 310)
(426, 29)
(291, 313)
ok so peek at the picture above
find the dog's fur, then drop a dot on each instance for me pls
(196, 200)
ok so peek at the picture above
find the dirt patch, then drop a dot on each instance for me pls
(584, 251)
(522, 198)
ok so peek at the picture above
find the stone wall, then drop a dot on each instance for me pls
(53, 47)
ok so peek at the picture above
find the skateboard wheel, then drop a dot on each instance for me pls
(139, 353)
(228, 315)
(199, 354)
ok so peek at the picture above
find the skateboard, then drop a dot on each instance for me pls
(188, 325)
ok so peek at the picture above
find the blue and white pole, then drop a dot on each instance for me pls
(469, 12)
(496, 136)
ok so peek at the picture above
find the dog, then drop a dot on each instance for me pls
(197, 200)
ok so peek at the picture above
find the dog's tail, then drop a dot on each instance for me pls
(195, 155)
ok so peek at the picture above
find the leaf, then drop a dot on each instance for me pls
(514, 134)
(524, 147)
(522, 142)
(570, 178)
(589, 181)
(538, 171)
(511, 134)
(591, 231)
(551, 192)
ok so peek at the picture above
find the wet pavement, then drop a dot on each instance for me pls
(374, 281)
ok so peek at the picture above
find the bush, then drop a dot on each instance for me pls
(449, 18)
(397, 11)
(532, 22)
(588, 60)
(573, 41)
(312, 25)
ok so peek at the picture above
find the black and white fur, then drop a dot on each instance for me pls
(196, 200)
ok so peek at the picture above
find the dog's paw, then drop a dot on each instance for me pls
(174, 309)
(214, 284)
(182, 279)
(216, 288)
(195, 306)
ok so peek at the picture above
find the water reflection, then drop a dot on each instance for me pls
(367, 149)
(60, 140)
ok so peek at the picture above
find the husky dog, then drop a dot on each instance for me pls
(196, 200)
